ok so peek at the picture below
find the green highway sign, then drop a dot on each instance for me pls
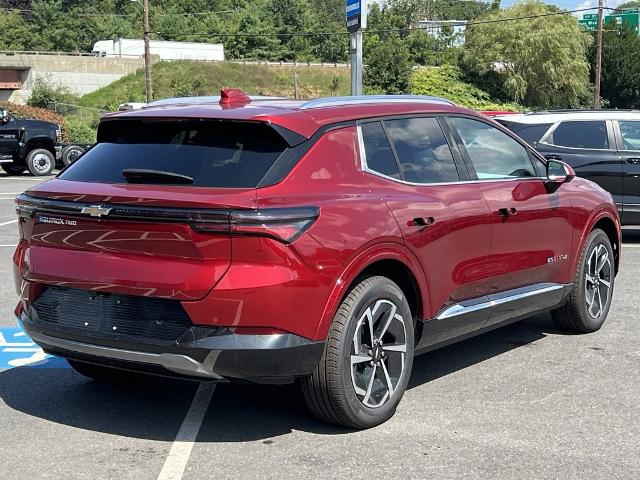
(630, 16)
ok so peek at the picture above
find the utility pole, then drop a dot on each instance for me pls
(147, 52)
(596, 92)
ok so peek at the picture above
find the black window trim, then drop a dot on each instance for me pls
(608, 125)
(457, 159)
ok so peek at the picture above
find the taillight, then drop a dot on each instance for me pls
(23, 208)
(282, 224)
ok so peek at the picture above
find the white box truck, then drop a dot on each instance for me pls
(132, 48)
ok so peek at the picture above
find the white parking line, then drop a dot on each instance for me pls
(631, 245)
(9, 222)
(9, 245)
(176, 461)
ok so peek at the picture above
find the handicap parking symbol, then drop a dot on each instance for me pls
(18, 350)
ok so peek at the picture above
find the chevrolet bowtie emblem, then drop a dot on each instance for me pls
(95, 211)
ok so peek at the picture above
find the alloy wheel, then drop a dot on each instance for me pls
(378, 353)
(597, 283)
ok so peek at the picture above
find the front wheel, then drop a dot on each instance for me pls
(14, 168)
(41, 162)
(366, 364)
(589, 302)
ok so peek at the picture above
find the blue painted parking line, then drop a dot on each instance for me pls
(17, 350)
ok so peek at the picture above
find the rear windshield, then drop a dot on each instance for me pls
(213, 153)
(528, 132)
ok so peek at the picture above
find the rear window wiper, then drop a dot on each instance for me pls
(142, 175)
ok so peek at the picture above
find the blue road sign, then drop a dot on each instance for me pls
(353, 8)
(17, 350)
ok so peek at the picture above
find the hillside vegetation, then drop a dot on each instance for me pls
(180, 79)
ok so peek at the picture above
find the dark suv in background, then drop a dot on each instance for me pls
(601, 145)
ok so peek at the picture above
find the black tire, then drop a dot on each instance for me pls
(330, 392)
(578, 315)
(70, 154)
(41, 162)
(14, 168)
(103, 374)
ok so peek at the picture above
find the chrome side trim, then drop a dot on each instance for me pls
(365, 168)
(490, 301)
(181, 364)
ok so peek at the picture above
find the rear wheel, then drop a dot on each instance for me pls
(589, 302)
(70, 154)
(41, 162)
(367, 361)
(14, 168)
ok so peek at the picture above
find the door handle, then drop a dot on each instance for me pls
(633, 161)
(421, 222)
(507, 212)
(553, 157)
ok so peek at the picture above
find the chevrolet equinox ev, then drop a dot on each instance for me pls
(323, 242)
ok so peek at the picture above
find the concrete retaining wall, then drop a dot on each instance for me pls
(81, 74)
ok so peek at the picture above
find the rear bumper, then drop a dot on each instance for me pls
(215, 354)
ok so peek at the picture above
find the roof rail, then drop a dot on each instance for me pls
(364, 99)
(204, 99)
(582, 110)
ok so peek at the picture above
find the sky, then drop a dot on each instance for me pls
(573, 4)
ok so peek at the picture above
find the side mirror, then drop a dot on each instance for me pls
(4, 115)
(559, 172)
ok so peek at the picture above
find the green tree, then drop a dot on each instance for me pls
(620, 80)
(540, 62)
(15, 32)
(388, 66)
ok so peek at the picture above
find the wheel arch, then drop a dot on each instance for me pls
(40, 142)
(608, 226)
(393, 261)
(608, 221)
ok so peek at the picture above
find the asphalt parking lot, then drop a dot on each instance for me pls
(525, 401)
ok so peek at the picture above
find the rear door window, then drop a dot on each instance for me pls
(422, 149)
(529, 133)
(581, 134)
(213, 153)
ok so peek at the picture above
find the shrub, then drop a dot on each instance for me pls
(43, 94)
(446, 81)
(80, 132)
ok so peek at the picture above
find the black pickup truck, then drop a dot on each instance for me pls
(33, 144)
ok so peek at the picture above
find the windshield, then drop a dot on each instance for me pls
(213, 153)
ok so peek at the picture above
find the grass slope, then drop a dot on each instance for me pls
(175, 79)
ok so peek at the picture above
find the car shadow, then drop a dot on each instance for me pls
(154, 409)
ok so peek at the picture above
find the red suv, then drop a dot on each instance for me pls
(326, 241)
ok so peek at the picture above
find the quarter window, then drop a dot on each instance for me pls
(378, 152)
(590, 134)
(422, 150)
(493, 154)
(630, 132)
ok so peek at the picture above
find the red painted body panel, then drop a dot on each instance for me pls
(454, 250)
(535, 245)
(258, 282)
